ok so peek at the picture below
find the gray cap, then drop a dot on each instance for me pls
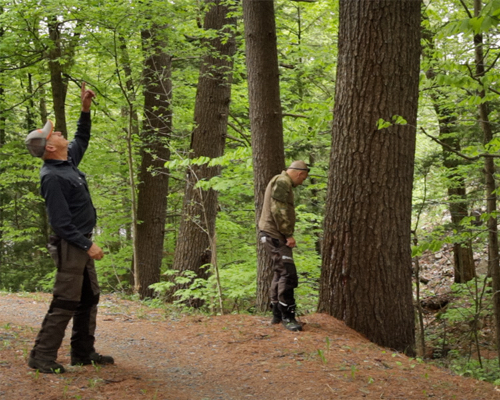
(37, 139)
(300, 165)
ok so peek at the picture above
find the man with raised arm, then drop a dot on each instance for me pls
(72, 217)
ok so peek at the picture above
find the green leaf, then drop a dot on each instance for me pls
(399, 120)
(475, 23)
(382, 124)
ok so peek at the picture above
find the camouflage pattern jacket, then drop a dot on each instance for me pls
(278, 211)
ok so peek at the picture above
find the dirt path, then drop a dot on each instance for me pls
(210, 358)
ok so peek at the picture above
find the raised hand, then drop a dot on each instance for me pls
(87, 95)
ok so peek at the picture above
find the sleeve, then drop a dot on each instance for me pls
(80, 143)
(59, 212)
(281, 210)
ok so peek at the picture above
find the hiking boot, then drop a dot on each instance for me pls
(292, 324)
(46, 366)
(95, 358)
(289, 321)
(277, 317)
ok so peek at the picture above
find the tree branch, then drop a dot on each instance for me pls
(294, 115)
(235, 128)
(448, 147)
(466, 9)
(473, 76)
(236, 139)
(493, 63)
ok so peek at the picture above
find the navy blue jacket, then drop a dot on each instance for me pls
(71, 213)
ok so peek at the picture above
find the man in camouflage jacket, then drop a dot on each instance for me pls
(276, 225)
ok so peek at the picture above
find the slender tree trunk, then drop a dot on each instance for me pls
(61, 59)
(58, 84)
(153, 176)
(127, 87)
(31, 120)
(196, 241)
(489, 174)
(463, 265)
(265, 118)
(366, 275)
(42, 109)
(2, 143)
(130, 131)
(463, 258)
(2, 116)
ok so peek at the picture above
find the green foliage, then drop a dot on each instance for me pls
(395, 120)
(488, 370)
(433, 245)
(450, 95)
(24, 259)
(473, 302)
(197, 289)
(451, 92)
(467, 318)
(488, 19)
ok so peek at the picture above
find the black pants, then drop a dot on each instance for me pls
(75, 295)
(285, 278)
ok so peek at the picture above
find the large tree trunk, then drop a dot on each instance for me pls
(366, 275)
(196, 240)
(265, 118)
(153, 176)
(489, 174)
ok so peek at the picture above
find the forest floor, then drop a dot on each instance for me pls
(176, 357)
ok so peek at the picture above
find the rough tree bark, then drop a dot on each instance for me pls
(153, 176)
(489, 174)
(366, 271)
(265, 118)
(196, 241)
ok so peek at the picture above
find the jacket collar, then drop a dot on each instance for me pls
(288, 177)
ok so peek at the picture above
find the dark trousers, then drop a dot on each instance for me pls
(75, 295)
(285, 278)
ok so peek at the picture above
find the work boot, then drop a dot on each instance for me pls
(277, 317)
(292, 324)
(94, 357)
(82, 337)
(289, 321)
(46, 366)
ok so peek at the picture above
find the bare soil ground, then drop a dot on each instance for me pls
(233, 357)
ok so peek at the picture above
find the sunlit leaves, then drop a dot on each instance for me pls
(395, 120)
